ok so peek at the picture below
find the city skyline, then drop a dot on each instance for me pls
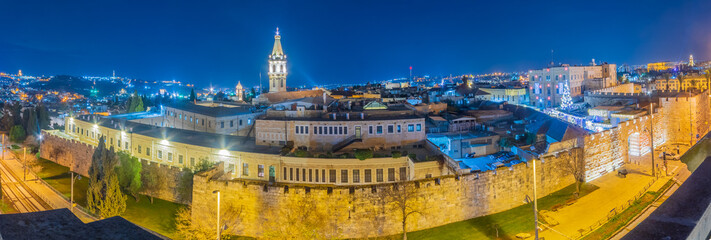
(158, 42)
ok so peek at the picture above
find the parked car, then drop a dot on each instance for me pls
(669, 156)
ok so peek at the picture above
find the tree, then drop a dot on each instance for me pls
(301, 217)
(505, 142)
(32, 127)
(154, 180)
(403, 197)
(186, 229)
(667, 76)
(129, 172)
(219, 96)
(574, 165)
(43, 119)
(193, 97)
(25, 118)
(135, 103)
(566, 100)
(681, 81)
(104, 195)
(16, 109)
(707, 74)
(17, 134)
(6, 122)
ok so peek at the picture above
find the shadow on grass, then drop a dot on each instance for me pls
(510, 222)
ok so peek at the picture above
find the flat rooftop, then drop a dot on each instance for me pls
(489, 162)
(204, 139)
(218, 110)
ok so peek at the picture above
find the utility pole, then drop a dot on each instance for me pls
(218, 213)
(651, 135)
(535, 199)
(24, 164)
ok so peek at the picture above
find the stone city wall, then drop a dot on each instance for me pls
(608, 150)
(77, 155)
(67, 152)
(259, 209)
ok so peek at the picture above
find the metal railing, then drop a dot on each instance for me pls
(617, 210)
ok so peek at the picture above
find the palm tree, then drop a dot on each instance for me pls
(707, 74)
(681, 80)
(667, 76)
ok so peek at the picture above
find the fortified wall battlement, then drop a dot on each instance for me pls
(68, 152)
(608, 150)
(260, 209)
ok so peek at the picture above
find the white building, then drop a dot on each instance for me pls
(546, 85)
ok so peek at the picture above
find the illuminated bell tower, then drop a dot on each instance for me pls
(691, 60)
(277, 66)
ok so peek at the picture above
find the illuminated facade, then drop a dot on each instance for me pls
(685, 84)
(660, 66)
(546, 85)
(277, 66)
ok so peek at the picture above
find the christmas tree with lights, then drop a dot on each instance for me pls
(566, 100)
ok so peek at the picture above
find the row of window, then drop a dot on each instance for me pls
(209, 123)
(323, 176)
(341, 130)
(393, 128)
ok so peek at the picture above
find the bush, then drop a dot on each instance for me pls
(17, 134)
(397, 154)
(412, 156)
(301, 153)
(363, 154)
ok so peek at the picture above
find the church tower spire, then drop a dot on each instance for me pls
(277, 66)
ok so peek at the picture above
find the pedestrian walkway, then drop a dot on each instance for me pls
(614, 191)
(53, 198)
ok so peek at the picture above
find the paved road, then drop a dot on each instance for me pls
(17, 192)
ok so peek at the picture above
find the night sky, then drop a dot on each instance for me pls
(337, 41)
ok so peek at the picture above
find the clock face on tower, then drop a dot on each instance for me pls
(277, 66)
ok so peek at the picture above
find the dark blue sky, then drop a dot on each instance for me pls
(339, 41)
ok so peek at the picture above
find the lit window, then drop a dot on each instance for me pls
(344, 176)
(410, 128)
(419, 127)
(379, 130)
(260, 170)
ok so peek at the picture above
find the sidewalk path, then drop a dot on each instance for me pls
(53, 199)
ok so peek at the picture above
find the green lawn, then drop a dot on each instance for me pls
(620, 220)
(158, 216)
(6, 206)
(510, 222)
(59, 178)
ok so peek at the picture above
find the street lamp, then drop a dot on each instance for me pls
(218, 213)
(535, 199)
(24, 164)
(71, 195)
